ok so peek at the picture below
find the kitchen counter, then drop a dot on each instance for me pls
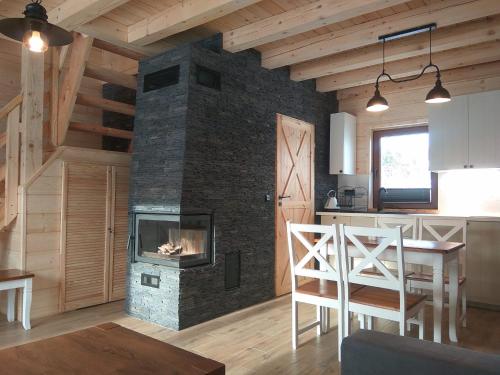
(374, 213)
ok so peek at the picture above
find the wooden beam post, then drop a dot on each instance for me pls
(12, 166)
(55, 55)
(70, 84)
(32, 80)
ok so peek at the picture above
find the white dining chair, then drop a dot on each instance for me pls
(383, 295)
(409, 225)
(444, 230)
(324, 288)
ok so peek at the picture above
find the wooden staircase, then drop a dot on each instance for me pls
(68, 67)
(66, 84)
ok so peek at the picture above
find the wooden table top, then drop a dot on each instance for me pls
(105, 349)
(422, 246)
(9, 275)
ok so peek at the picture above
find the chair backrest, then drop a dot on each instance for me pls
(301, 264)
(370, 245)
(409, 225)
(443, 229)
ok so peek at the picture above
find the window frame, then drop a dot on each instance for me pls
(376, 136)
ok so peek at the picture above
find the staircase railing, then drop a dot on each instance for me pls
(9, 169)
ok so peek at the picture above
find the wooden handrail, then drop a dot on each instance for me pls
(7, 108)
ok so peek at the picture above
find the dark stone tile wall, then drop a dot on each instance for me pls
(200, 149)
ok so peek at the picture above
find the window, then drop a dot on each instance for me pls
(401, 167)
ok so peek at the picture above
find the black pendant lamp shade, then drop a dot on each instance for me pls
(35, 23)
(377, 103)
(438, 94)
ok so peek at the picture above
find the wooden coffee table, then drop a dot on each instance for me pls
(105, 349)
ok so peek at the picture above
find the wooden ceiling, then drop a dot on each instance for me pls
(333, 41)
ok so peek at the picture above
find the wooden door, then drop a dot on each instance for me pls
(294, 189)
(119, 233)
(448, 135)
(85, 260)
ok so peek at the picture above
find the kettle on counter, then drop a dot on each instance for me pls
(331, 200)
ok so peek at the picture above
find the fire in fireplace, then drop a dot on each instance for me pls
(176, 240)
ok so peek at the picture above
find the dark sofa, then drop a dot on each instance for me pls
(377, 353)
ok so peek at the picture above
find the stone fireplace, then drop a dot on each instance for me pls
(205, 143)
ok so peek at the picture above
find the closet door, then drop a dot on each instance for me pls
(119, 234)
(86, 241)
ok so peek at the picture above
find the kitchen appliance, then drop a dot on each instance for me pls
(331, 200)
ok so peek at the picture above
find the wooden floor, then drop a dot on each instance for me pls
(256, 340)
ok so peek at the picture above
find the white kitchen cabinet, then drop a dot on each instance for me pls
(448, 134)
(484, 130)
(465, 133)
(342, 143)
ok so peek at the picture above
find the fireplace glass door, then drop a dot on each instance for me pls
(177, 240)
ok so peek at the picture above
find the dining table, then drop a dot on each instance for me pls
(439, 255)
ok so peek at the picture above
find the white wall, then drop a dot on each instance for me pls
(470, 192)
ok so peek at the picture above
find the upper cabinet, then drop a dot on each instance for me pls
(342, 143)
(465, 133)
(484, 130)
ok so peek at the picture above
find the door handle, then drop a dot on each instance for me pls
(281, 197)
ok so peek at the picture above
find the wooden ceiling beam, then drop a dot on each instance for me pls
(472, 55)
(73, 13)
(180, 17)
(111, 76)
(299, 20)
(456, 36)
(445, 13)
(114, 33)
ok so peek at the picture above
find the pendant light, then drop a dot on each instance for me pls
(438, 94)
(34, 31)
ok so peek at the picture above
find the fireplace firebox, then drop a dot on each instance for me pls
(175, 240)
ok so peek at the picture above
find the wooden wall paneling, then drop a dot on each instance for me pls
(119, 251)
(87, 220)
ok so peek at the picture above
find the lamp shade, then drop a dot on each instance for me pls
(377, 103)
(438, 94)
(35, 20)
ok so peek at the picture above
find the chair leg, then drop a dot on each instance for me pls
(327, 319)
(463, 317)
(340, 329)
(295, 324)
(402, 328)
(421, 323)
(11, 305)
(361, 319)
(319, 318)
(370, 322)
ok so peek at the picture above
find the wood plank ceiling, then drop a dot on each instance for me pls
(333, 41)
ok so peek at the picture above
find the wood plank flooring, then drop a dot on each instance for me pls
(256, 340)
